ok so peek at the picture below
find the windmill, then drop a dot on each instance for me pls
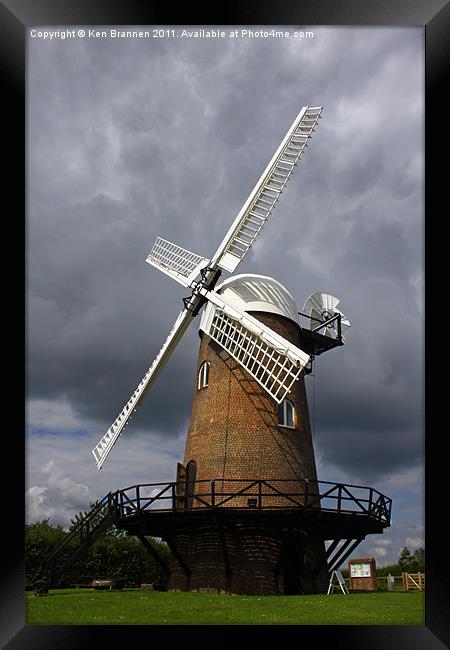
(271, 360)
(246, 513)
(248, 487)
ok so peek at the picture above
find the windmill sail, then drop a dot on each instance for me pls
(267, 190)
(179, 263)
(269, 358)
(104, 446)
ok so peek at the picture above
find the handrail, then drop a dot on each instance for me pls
(82, 525)
(219, 493)
(87, 528)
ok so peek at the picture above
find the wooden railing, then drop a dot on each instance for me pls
(413, 581)
(257, 494)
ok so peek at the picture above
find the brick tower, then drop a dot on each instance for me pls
(238, 434)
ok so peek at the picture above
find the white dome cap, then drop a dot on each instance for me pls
(252, 292)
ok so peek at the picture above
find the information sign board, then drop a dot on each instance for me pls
(362, 574)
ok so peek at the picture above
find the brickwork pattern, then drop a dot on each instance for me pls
(248, 559)
(234, 431)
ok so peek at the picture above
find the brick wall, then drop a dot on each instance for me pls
(234, 431)
(248, 558)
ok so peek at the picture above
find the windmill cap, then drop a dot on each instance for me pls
(252, 292)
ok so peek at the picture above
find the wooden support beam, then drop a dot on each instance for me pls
(332, 546)
(154, 553)
(331, 559)
(179, 558)
(328, 552)
(343, 554)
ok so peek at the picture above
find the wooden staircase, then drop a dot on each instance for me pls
(88, 529)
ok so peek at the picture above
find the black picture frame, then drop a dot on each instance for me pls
(434, 15)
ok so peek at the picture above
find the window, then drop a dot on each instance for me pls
(203, 375)
(286, 414)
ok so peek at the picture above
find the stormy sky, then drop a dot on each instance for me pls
(130, 139)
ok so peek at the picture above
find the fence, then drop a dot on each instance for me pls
(404, 582)
(413, 581)
(390, 583)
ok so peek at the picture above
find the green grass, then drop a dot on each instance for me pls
(137, 607)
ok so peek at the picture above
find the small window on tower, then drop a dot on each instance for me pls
(203, 375)
(286, 414)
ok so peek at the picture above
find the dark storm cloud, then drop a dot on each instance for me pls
(131, 140)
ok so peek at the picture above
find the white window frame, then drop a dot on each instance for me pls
(284, 406)
(203, 376)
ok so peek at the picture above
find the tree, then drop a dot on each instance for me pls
(412, 563)
(40, 539)
(419, 557)
(405, 559)
(113, 555)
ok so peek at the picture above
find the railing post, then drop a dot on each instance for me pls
(259, 494)
(306, 491)
(370, 506)
(213, 493)
(339, 328)
(339, 497)
(138, 497)
(173, 496)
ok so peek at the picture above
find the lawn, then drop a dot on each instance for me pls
(137, 607)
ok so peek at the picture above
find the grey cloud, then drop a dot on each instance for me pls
(130, 140)
(369, 456)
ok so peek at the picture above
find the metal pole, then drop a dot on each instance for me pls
(324, 323)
